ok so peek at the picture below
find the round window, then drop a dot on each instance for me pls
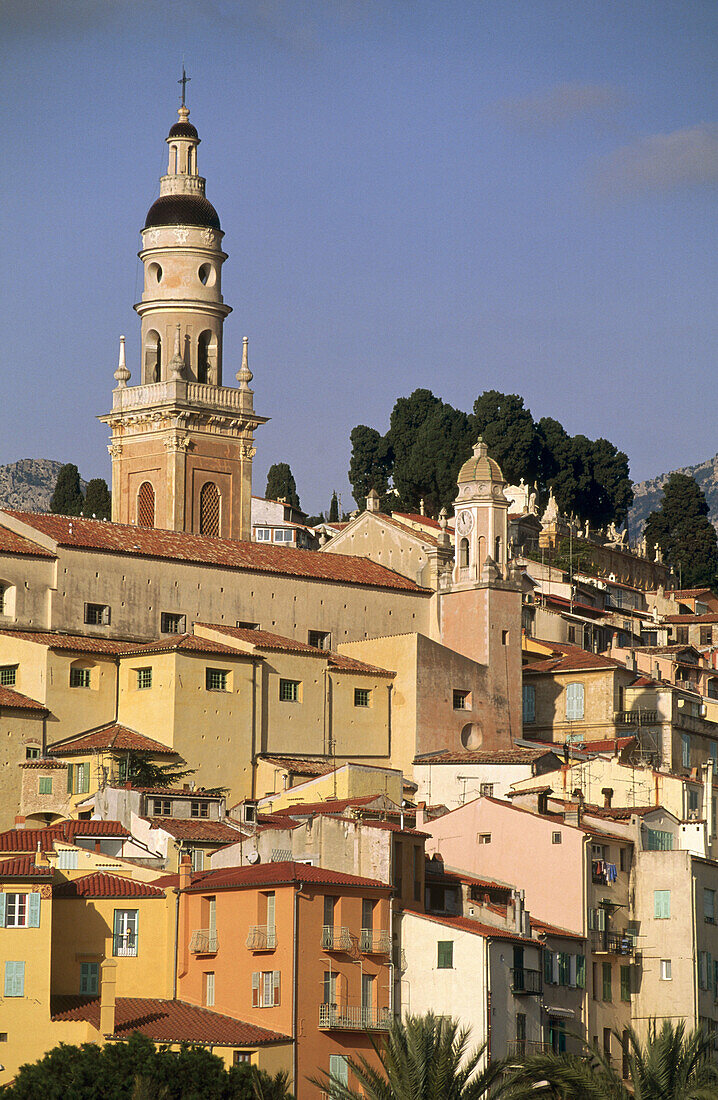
(471, 736)
(155, 272)
(206, 275)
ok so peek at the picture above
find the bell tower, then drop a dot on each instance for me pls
(182, 443)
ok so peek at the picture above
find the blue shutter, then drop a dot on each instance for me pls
(14, 979)
(33, 910)
(2, 910)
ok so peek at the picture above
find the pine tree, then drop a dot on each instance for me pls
(681, 528)
(334, 508)
(98, 501)
(67, 499)
(281, 485)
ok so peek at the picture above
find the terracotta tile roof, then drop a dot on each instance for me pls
(676, 593)
(27, 840)
(466, 924)
(103, 885)
(179, 792)
(10, 543)
(422, 536)
(437, 873)
(116, 538)
(540, 926)
(429, 521)
(299, 765)
(23, 867)
(44, 763)
(112, 737)
(76, 643)
(607, 744)
(708, 617)
(186, 643)
(619, 813)
(166, 1021)
(584, 609)
(278, 874)
(10, 698)
(331, 806)
(265, 639)
(212, 832)
(487, 756)
(570, 658)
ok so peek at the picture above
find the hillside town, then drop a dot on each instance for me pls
(268, 786)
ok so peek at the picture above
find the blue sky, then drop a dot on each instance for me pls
(518, 194)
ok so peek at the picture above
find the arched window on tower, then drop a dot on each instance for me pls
(146, 505)
(190, 160)
(209, 510)
(203, 357)
(464, 554)
(497, 550)
(153, 358)
(173, 159)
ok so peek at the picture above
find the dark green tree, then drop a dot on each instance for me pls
(371, 463)
(508, 430)
(281, 485)
(680, 526)
(67, 499)
(334, 509)
(588, 477)
(98, 501)
(138, 767)
(429, 440)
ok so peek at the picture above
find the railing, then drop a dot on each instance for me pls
(124, 945)
(613, 943)
(354, 1018)
(204, 941)
(195, 393)
(526, 981)
(520, 1048)
(374, 943)
(640, 717)
(336, 939)
(262, 937)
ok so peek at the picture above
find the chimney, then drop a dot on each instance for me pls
(19, 821)
(420, 814)
(108, 986)
(607, 793)
(185, 871)
(41, 859)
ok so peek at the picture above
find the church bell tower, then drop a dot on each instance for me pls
(182, 443)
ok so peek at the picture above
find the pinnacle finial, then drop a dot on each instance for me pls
(122, 374)
(244, 375)
(177, 362)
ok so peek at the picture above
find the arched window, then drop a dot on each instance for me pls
(464, 554)
(153, 357)
(203, 359)
(497, 550)
(146, 505)
(173, 159)
(209, 510)
(190, 160)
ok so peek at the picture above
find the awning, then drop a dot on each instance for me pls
(564, 1013)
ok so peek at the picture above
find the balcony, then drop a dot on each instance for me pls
(262, 937)
(336, 939)
(640, 717)
(353, 1018)
(613, 943)
(524, 1048)
(204, 941)
(526, 981)
(602, 872)
(374, 943)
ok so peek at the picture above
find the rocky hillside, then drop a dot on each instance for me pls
(648, 493)
(29, 484)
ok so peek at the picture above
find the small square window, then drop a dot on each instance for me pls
(32, 752)
(199, 809)
(362, 697)
(289, 691)
(486, 790)
(483, 838)
(320, 639)
(161, 807)
(97, 614)
(79, 677)
(144, 678)
(445, 955)
(217, 679)
(241, 1056)
(462, 700)
(44, 785)
(8, 676)
(263, 534)
(666, 975)
(555, 838)
(171, 623)
(504, 637)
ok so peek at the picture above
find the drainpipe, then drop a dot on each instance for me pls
(487, 972)
(254, 727)
(392, 974)
(708, 803)
(295, 998)
(694, 887)
(176, 960)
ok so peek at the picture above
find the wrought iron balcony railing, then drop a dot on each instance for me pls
(353, 1018)
(262, 937)
(336, 939)
(204, 941)
(375, 943)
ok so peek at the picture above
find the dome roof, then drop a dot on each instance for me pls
(183, 129)
(182, 210)
(480, 467)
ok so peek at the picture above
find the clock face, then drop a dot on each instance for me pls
(464, 522)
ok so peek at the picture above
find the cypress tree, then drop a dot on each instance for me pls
(67, 499)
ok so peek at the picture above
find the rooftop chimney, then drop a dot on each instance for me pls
(372, 501)
(607, 793)
(185, 872)
(108, 987)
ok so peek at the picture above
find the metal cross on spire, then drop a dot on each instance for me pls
(184, 82)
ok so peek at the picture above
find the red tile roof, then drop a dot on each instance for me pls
(333, 806)
(167, 1021)
(278, 874)
(10, 698)
(112, 737)
(487, 756)
(299, 765)
(10, 543)
(265, 639)
(103, 885)
(116, 538)
(27, 840)
(570, 658)
(23, 867)
(76, 643)
(186, 643)
(540, 927)
(466, 924)
(44, 763)
(186, 828)
(709, 617)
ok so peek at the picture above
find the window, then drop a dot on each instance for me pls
(581, 971)
(79, 677)
(124, 939)
(97, 614)
(283, 534)
(445, 955)
(241, 1056)
(362, 697)
(529, 700)
(339, 1069)
(144, 678)
(706, 633)
(320, 639)
(89, 978)
(161, 807)
(367, 993)
(625, 983)
(564, 968)
(216, 679)
(32, 752)
(197, 857)
(199, 809)
(661, 904)
(289, 691)
(8, 676)
(171, 623)
(3, 590)
(483, 838)
(682, 635)
(263, 534)
(685, 750)
(606, 985)
(462, 700)
(709, 906)
(209, 988)
(597, 919)
(78, 778)
(549, 976)
(486, 790)
(556, 838)
(367, 914)
(146, 505)
(44, 784)
(659, 840)
(692, 801)
(622, 859)
(265, 988)
(574, 702)
(464, 554)
(209, 510)
(244, 625)
(330, 988)
(504, 635)
(665, 971)
(14, 979)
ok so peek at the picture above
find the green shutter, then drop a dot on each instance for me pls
(607, 991)
(33, 910)
(2, 910)
(709, 971)
(661, 904)
(14, 979)
(69, 778)
(445, 954)
(529, 702)
(581, 971)
(625, 983)
(548, 967)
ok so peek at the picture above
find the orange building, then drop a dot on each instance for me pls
(296, 949)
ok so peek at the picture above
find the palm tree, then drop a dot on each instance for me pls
(422, 1058)
(672, 1064)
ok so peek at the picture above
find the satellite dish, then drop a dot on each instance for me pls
(253, 857)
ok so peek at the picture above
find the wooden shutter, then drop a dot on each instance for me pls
(276, 978)
(339, 1069)
(14, 979)
(69, 778)
(255, 989)
(529, 698)
(83, 778)
(581, 971)
(574, 702)
(33, 910)
(548, 967)
(2, 910)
